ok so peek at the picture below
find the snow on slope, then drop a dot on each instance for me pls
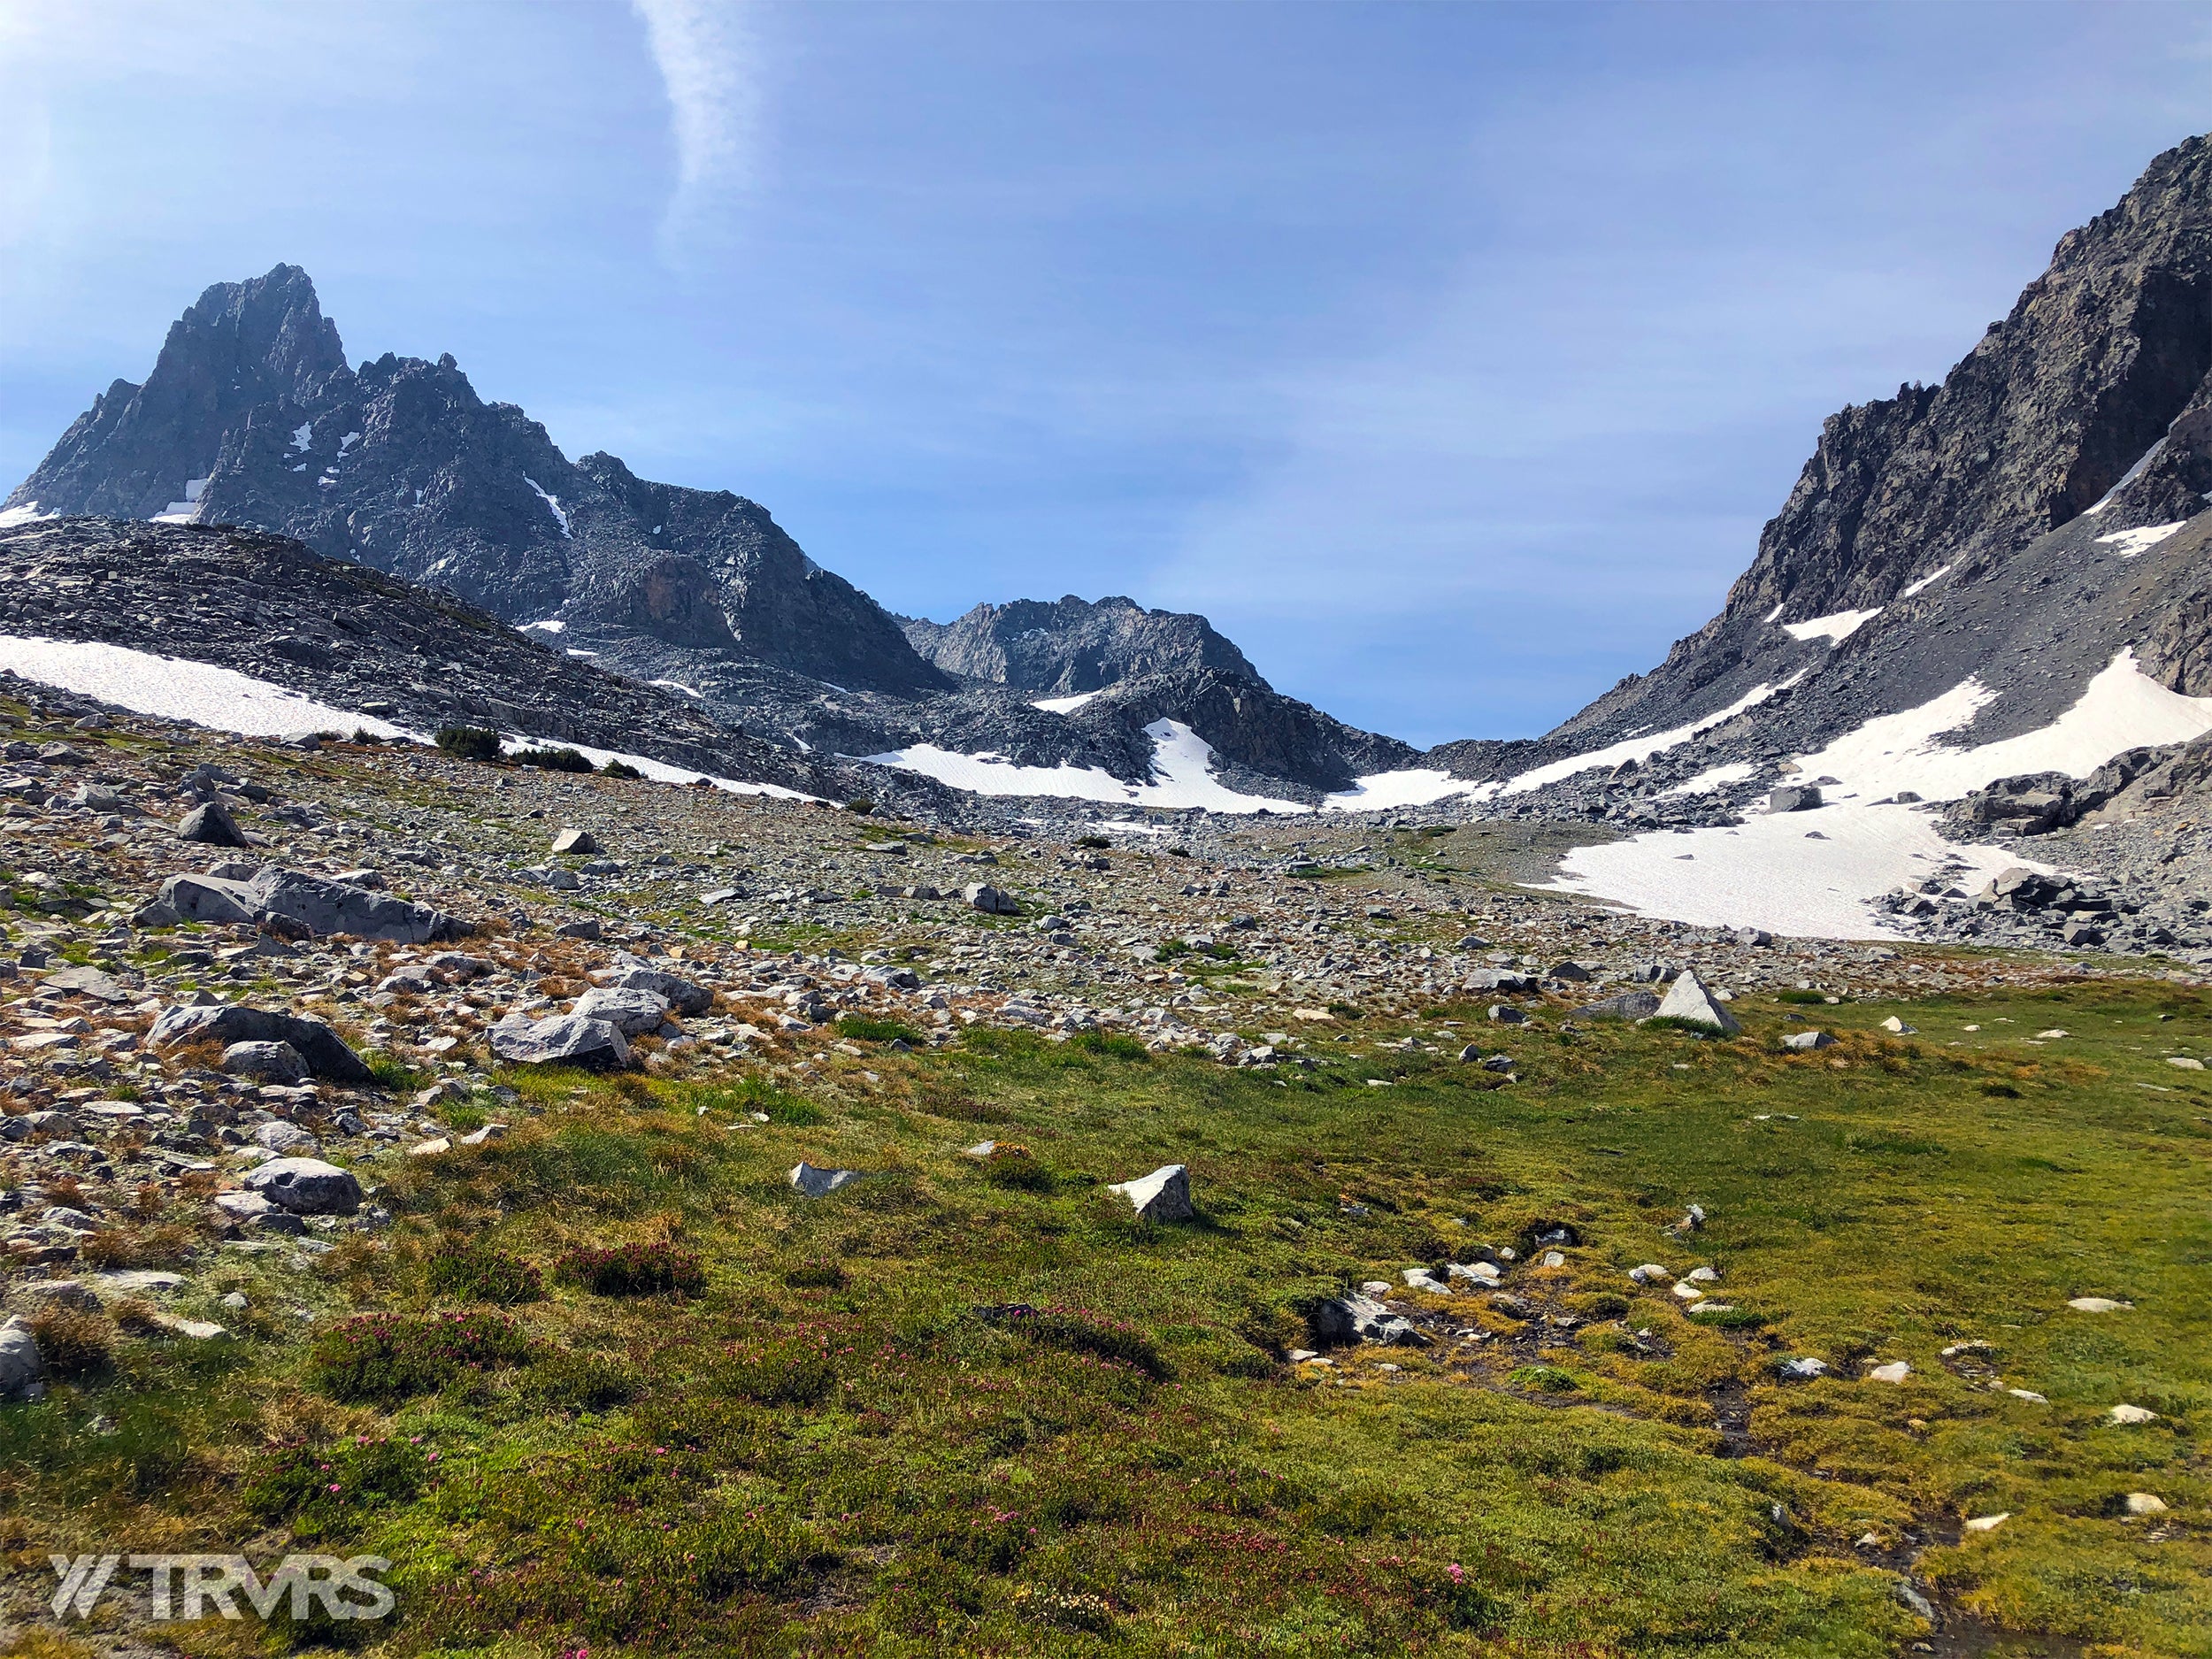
(1064, 705)
(1810, 873)
(2121, 708)
(1182, 773)
(1417, 786)
(1713, 778)
(224, 700)
(1639, 749)
(27, 513)
(1834, 629)
(2130, 542)
(1767, 873)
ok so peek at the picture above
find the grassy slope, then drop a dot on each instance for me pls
(868, 1466)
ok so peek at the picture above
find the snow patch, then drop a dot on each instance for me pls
(1766, 873)
(1925, 582)
(1416, 786)
(347, 441)
(171, 688)
(2121, 708)
(1635, 748)
(1182, 775)
(1714, 778)
(673, 685)
(2128, 543)
(552, 502)
(1775, 615)
(186, 511)
(551, 625)
(303, 435)
(1064, 705)
(1835, 629)
(27, 513)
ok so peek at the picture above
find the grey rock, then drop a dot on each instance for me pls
(22, 1370)
(1621, 1005)
(1808, 1039)
(325, 907)
(576, 842)
(88, 982)
(210, 824)
(324, 1052)
(210, 899)
(1345, 1319)
(1793, 798)
(1506, 1014)
(1163, 1196)
(630, 974)
(1688, 999)
(980, 896)
(266, 1062)
(815, 1182)
(306, 1186)
(565, 1039)
(631, 1012)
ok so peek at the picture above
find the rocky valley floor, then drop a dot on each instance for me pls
(707, 1237)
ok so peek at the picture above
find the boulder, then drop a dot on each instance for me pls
(266, 1062)
(1506, 1014)
(1163, 1195)
(210, 899)
(982, 896)
(1804, 1041)
(22, 1372)
(630, 974)
(1343, 1319)
(86, 982)
(633, 1013)
(210, 824)
(565, 1039)
(815, 1182)
(1621, 1005)
(306, 1186)
(325, 907)
(287, 1140)
(1570, 973)
(1688, 999)
(324, 1052)
(576, 842)
(1796, 797)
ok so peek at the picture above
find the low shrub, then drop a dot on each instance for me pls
(1013, 1166)
(860, 805)
(581, 1382)
(635, 1270)
(1171, 951)
(380, 1357)
(1800, 997)
(815, 1276)
(1079, 1330)
(792, 1371)
(468, 742)
(1094, 843)
(863, 1028)
(620, 769)
(477, 1272)
(551, 759)
(1113, 1044)
(1544, 1379)
(320, 1489)
(73, 1343)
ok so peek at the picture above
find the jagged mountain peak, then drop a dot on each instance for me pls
(1071, 646)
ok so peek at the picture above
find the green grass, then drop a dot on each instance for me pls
(950, 1409)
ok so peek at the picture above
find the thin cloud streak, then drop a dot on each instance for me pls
(707, 53)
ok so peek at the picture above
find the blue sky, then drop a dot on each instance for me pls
(1450, 358)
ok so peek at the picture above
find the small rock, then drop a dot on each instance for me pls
(22, 1372)
(286, 1139)
(2132, 1415)
(1804, 1041)
(2098, 1304)
(1801, 1370)
(1898, 1027)
(1988, 1523)
(1688, 999)
(2146, 1504)
(815, 1182)
(1506, 1014)
(576, 842)
(983, 897)
(1895, 1372)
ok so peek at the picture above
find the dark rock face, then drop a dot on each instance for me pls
(1970, 515)
(245, 347)
(401, 466)
(1064, 648)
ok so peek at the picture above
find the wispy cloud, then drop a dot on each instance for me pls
(707, 53)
